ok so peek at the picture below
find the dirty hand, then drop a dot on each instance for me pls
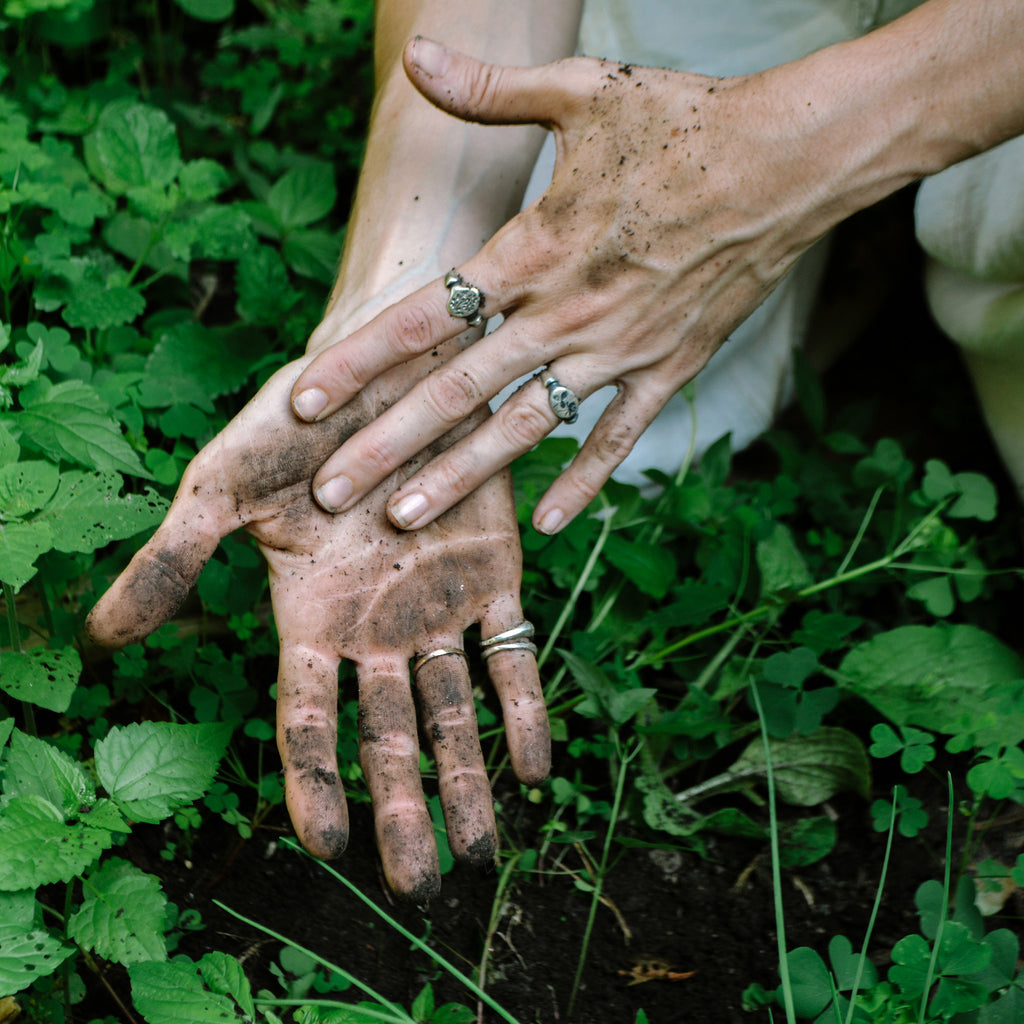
(353, 587)
(676, 205)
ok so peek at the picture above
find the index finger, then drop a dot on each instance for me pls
(412, 326)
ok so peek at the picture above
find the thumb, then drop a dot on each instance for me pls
(157, 580)
(487, 93)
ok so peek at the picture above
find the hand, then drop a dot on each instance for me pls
(352, 586)
(677, 203)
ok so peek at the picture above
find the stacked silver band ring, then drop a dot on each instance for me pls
(424, 658)
(464, 300)
(515, 639)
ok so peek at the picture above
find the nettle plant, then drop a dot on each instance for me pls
(161, 253)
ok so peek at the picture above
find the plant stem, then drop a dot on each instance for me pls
(602, 868)
(365, 1012)
(773, 829)
(398, 1013)
(930, 976)
(492, 925)
(874, 912)
(581, 582)
(417, 942)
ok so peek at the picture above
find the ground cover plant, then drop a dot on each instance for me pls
(786, 649)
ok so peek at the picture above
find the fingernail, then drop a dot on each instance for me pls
(310, 403)
(551, 522)
(407, 510)
(430, 58)
(333, 494)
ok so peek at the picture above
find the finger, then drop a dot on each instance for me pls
(435, 406)
(157, 580)
(389, 754)
(521, 423)
(516, 681)
(610, 441)
(448, 717)
(489, 93)
(307, 738)
(416, 324)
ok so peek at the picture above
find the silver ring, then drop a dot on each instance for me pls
(423, 659)
(563, 401)
(464, 300)
(510, 645)
(521, 632)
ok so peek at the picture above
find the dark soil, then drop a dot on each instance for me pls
(709, 920)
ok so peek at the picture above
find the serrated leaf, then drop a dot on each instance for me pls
(783, 569)
(264, 292)
(41, 676)
(72, 422)
(152, 768)
(191, 365)
(303, 195)
(89, 512)
(203, 179)
(27, 954)
(224, 975)
(605, 700)
(810, 769)
(9, 448)
(136, 146)
(38, 848)
(312, 254)
(97, 306)
(651, 569)
(121, 917)
(37, 768)
(930, 676)
(25, 487)
(20, 545)
(173, 993)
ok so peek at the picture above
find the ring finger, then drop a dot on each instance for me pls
(517, 426)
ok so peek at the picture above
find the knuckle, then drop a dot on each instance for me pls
(377, 453)
(614, 444)
(453, 394)
(407, 331)
(523, 424)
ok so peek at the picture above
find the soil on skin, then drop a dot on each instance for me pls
(710, 920)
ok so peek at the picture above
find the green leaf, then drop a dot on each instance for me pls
(37, 768)
(136, 146)
(42, 676)
(97, 306)
(264, 292)
(38, 848)
(27, 954)
(930, 676)
(152, 768)
(312, 254)
(121, 917)
(203, 179)
(9, 448)
(174, 993)
(790, 668)
(936, 594)
(651, 569)
(224, 975)
(810, 981)
(71, 421)
(783, 569)
(193, 365)
(20, 545)
(845, 965)
(605, 700)
(208, 10)
(303, 195)
(810, 769)
(977, 498)
(25, 487)
(88, 511)
(806, 841)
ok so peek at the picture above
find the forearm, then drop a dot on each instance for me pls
(936, 86)
(433, 188)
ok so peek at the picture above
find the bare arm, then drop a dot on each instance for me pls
(678, 202)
